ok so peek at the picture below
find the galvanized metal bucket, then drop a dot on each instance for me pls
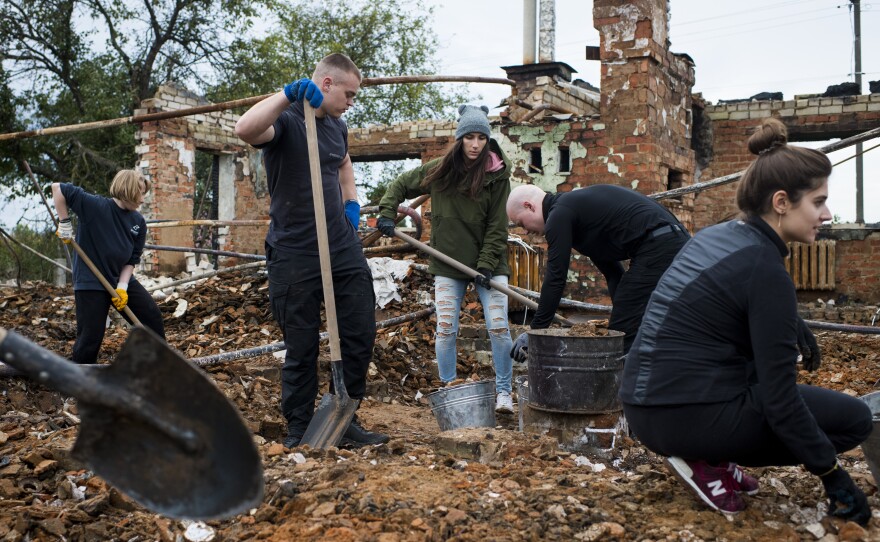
(465, 405)
(575, 374)
(871, 447)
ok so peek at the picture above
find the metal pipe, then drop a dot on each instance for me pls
(530, 22)
(244, 102)
(24, 246)
(226, 357)
(396, 247)
(195, 250)
(699, 187)
(207, 275)
(542, 107)
(414, 204)
(844, 328)
(158, 223)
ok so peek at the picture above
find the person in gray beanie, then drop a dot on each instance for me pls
(473, 120)
(469, 186)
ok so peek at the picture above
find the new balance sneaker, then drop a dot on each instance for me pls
(504, 403)
(713, 485)
(741, 481)
(356, 436)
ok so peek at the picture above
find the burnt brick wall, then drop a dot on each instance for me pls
(808, 118)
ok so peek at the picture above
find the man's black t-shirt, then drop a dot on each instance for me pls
(292, 210)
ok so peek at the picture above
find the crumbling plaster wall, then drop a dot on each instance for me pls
(167, 151)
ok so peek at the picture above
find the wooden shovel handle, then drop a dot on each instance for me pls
(321, 230)
(472, 273)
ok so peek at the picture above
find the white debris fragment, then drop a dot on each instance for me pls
(199, 532)
(815, 529)
(297, 458)
(779, 487)
(182, 305)
(386, 272)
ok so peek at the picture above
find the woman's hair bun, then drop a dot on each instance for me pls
(771, 134)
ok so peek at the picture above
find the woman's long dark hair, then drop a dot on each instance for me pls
(453, 172)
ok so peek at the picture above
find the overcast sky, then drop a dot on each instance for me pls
(740, 48)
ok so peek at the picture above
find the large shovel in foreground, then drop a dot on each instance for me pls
(337, 409)
(154, 426)
(472, 273)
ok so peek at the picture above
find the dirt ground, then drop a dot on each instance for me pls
(424, 485)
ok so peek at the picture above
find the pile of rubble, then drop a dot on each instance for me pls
(476, 484)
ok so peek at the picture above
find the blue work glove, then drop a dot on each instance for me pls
(809, 348)
(353, 212)
(306, 89)
(485, 275)
(386, 226)
(520, 349)
(845, 499)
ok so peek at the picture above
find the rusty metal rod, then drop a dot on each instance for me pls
(396, 247)
(244, 102)
(844, 328)
(699, 187)
(180, 223)
(414, 204)
(207, 275)
(46, 203)
(226, 357)
(24, 246)
(241, 255)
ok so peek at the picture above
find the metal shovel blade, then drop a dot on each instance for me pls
(154, 426)
(333, 416)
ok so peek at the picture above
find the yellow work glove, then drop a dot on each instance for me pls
(121, 301)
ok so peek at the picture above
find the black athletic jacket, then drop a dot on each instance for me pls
(722, 318)
(605, 222)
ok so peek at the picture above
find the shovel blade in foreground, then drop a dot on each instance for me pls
(154, 426)
(330, 421)
(334, 414)
(217, 475)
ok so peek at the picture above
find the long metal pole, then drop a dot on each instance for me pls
(860, 171)
(244, 102)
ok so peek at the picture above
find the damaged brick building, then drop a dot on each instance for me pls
(642, 128)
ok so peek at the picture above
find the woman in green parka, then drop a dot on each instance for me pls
(469, 186)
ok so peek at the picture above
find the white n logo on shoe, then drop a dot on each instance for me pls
(717, 488)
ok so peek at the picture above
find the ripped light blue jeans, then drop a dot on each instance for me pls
(448, 296)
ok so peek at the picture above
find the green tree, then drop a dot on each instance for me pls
(16, 261)
(384, 39)
(74, 61)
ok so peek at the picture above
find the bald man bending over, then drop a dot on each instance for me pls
(608, 224)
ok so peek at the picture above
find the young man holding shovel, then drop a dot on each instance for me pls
(277, 126)
(608, 224)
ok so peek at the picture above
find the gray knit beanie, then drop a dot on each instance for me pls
(473, 119)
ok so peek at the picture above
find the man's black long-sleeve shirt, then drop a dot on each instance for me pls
(606, 223)
(723, 318)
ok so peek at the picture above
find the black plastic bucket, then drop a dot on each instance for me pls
(576, 374)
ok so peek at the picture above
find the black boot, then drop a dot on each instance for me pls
(356, 436)
(294, 436)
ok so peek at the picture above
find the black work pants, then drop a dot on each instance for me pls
(738, 431)
(296, 294)
(631, 297)
(91, 318)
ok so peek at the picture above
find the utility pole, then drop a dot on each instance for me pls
(860, 173)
